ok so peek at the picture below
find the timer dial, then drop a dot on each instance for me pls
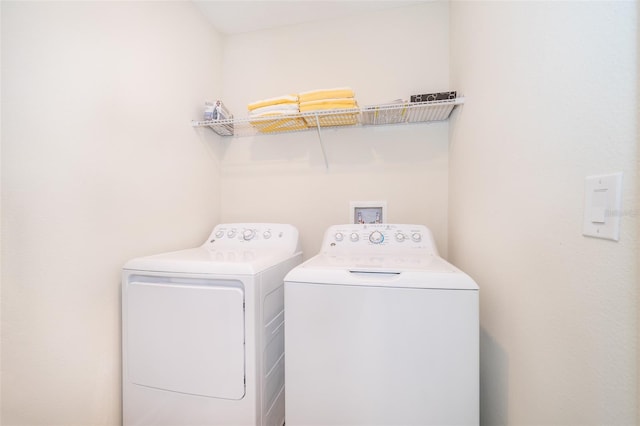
(376, 237)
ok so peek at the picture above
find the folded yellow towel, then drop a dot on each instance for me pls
(326, 104)
(314, 95)
(330, 120)
(286, 99)
(278, 122)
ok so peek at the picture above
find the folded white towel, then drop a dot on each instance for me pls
(278, 107)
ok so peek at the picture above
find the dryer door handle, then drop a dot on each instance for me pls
(375, 275)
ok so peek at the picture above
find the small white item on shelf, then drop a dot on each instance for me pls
(216, 111)
(221, 112)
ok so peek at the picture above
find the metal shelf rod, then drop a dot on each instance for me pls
(324, 154)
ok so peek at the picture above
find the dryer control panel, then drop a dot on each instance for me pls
(272, 236)
(379, 237)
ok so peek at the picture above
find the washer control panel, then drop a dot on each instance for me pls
(254, 235)
(381, 236)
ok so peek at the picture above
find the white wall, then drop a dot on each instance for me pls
(383, 56)
(99, 164)
(551, 98)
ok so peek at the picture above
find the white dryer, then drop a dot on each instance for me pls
(380, 330)
(203, 336)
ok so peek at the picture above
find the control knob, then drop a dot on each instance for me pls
(400, 237)
(231, 233)
(416, 236)
(219, 233)
(376, 237)
(248, 234)
(338, 236)
(266, 235)
(354, 237)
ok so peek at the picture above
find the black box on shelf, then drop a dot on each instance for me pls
(441, 96)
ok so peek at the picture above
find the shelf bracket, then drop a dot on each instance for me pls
(324, 154)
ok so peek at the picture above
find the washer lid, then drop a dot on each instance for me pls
(391, 270)
(210, 261)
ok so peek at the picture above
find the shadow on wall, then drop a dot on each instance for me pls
(494, 375)
(212, 142)
(390, 147)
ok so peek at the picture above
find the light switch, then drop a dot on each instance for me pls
(602, 206)
(599, 205)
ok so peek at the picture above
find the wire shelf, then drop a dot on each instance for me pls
(396, 113)
(409, 112)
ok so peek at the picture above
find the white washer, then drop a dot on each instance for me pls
(380, 330)
(203, 337)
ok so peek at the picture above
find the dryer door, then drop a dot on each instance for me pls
(185, 335)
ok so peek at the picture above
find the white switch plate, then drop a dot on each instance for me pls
(602, 206)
